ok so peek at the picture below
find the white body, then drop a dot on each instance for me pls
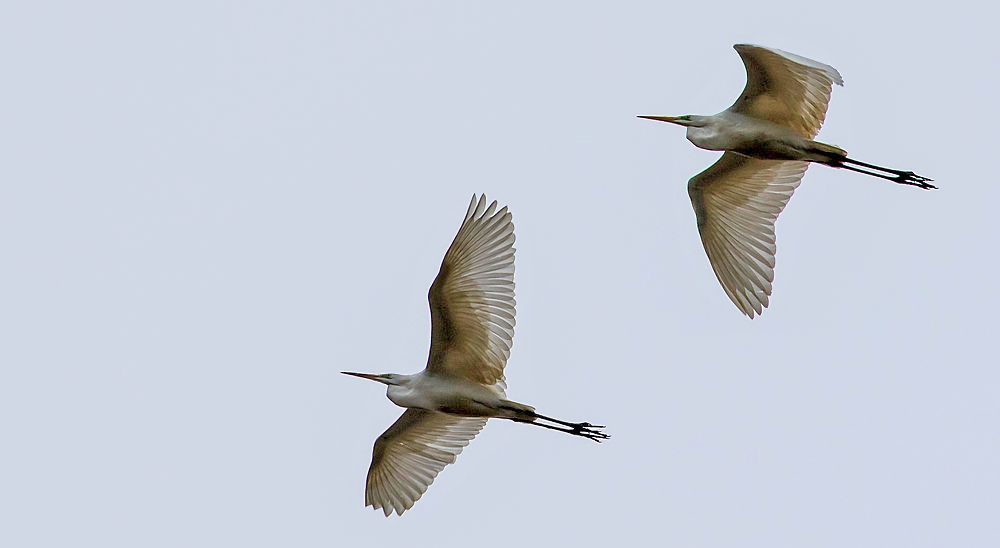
(752, 137)
(448, 394)
(767, 138)
(472, 330)
(448, 403)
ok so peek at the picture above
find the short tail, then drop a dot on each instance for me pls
(518, 411)
(827, 154)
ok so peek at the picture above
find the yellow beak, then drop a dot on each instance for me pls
(671, 119)
(369, 376)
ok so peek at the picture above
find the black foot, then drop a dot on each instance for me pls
(911, 178)
(589, 431)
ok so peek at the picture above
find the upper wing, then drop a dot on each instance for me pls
(786, 89)
(408, 456)
(472, 298)
(737, 201)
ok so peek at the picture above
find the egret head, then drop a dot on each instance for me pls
(687, 120)
(386, 378)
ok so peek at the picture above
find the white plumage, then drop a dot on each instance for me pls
(472, 298)
(737, 201)
(767, 138)
(449, 402)
(408, 456)
(786, 89)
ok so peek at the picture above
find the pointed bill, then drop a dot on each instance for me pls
(369, 376)
(671, 119)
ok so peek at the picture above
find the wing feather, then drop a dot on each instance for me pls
(410, 454)
(737, 201)
(787, 89)
(472, 299)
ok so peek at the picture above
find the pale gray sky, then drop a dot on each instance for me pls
(208, 209)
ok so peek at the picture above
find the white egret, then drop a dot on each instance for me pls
(767, 138)
(448, 403)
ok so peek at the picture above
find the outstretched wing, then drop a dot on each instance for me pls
(472, 298)
(786, 89)
(737, 200)
(408, 456)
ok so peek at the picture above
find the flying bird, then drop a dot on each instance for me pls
(767, 141)
(463, 385)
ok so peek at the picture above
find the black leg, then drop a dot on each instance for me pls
(581, 431)
(901, 177)
(564, 423)
(584, 429)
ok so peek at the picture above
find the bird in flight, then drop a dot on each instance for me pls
(449, 402)
(767, 141)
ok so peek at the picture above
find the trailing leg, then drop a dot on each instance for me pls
(588, 432)
(526, 414)
(894, 175)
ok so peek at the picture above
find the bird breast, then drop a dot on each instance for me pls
(410, 397)
(446, 394)
(707, 137)
(748, 136)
